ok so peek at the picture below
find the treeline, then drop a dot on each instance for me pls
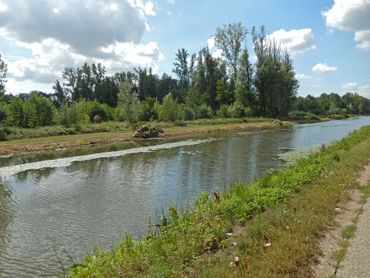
(330, 105)
(202, 86)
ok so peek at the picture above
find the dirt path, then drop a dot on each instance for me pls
(356, 263)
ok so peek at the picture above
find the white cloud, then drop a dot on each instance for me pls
(215, 52)
(3, 7)
(171, 1)
(354, 87)
(57, 34)
(363, 39)
(320, 67)
(303, 76)
(350, 86)
(295, 41)
(145, 7)
(351, 15)
(211, 42)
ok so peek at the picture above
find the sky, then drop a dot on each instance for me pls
(329, 40)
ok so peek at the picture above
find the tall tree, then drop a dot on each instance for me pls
(244, 84)
(229, 38)
(3, 70)
(184, 65)
(274, 77)
(128, 101)
(59, 94)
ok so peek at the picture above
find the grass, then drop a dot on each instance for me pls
(59, 138)
(13, 133)
(272, 225)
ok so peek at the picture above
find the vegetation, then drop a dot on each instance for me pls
(249, 228)
(204, 87)
(331, 105)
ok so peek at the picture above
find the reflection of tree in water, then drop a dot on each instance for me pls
(6, 212)
(95, 166)
(37, 175)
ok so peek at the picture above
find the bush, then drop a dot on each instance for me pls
(3, 134)
(301, 115)
(147, 110)
(222, 112)
(170, 110)
(238, 110)
(101, 110)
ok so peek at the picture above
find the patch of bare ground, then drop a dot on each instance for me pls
(335, 242)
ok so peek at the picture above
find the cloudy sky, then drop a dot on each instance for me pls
(328, 39)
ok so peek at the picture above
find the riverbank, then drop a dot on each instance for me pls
(118, 133)
(270, 227)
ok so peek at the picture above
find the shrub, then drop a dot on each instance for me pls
(100, 110)
(147, 110)
(170, 110)
(222, 112)
(3, 134)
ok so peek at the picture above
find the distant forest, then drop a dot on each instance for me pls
(202, 86)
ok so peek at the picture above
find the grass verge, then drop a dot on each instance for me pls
(268, 228)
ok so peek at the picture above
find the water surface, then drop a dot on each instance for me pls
(52, 212)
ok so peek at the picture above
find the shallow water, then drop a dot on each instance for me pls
(54, 211)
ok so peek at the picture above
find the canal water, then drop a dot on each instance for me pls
(54, 211)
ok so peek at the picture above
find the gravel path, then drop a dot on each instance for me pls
(357, 261)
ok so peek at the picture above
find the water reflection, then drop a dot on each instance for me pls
(51, 215)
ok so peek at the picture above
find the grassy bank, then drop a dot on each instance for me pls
(56, 138)
(269, 228)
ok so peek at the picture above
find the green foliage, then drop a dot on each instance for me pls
(170, 110)
(128, 101)
(101, 110)
(274, 79)
(229, 38)
(333, 105)
(205, 87)
(3, 70)
(3, 134)
(147, 111)
(302, 116)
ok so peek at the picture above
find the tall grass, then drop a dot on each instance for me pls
(276, 221)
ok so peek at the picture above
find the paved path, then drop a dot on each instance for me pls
(357, 261)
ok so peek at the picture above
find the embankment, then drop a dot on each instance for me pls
(269, 228)
(124, 135)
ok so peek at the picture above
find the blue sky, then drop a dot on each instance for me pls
(329, 40)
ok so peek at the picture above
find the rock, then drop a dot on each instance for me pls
(237, 261)
(268, 244)
(147, 131)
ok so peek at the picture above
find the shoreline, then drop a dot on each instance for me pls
(38, 145)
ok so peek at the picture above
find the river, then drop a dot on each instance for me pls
(54, 211)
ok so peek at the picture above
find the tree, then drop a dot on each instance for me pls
(184, 67)
(59, 94)
(169, 110)
(289, 85)
(274, 78)
(229, 39)
(244, 84)
(3, 70)
(128, 101)
(15, 112)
